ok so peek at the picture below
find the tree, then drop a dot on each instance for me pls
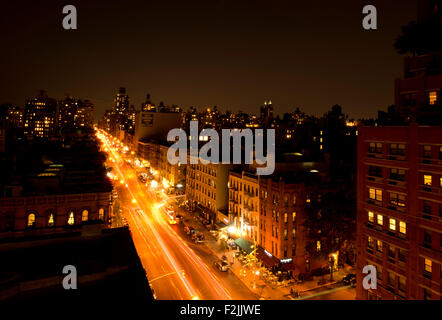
(421, 38)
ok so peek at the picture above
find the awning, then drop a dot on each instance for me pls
(268, 260)
(244, 244)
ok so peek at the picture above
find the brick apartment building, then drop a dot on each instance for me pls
(156, 154)
(244, 203)
(206, 188)
(400, 211)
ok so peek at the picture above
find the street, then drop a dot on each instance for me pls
(175, 267)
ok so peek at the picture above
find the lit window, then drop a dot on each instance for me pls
(31, 220)
(71, 219)
(370, 216)
(84, 215)
(318, 245)
(392, 224)
(402, 227)
(375, 194)
(379, 245)
(101, 214)
(427, 180)
(380, 220)
(428, 265)
(370, 242)
(51, 220)
(293, 216)
(432, 97)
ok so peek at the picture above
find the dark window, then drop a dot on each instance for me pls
(427, 239)
(426, 152)
(375, 171)
(375, 147)
(397, 174)
(397, 149)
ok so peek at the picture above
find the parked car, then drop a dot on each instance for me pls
(179, 218)
(222, 265)
(349, 279)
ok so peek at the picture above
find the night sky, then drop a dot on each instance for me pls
(233, 54)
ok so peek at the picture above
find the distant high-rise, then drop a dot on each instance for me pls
(84, 116)
(266, 113)
(67, 109)
(121, 102)
(40, 116)
(148, 105)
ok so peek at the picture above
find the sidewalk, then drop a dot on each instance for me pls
(253, 277)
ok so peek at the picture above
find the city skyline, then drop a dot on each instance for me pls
(229, 55)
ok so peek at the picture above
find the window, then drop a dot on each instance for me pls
(426, 206)
(101, 214)
(285, 234)
(391, 252)
(391, 279)
(318, 245)
(397, 174)
(397, 200)
(401, 284)
(402, 255)
(71, 218)
(375, 194)
(31, 220)
(408, 99)
(84, 215)
(432, 98)
(293, 216)
(370, 216)
(379, 245)
(428, 265)
(427, 238)
(375, 171)
(397, 149)
(293, 233)
(392, 224)
(426, 152)
(380, 220)
(427, 294)
(285, 217)
(294, 200)
(375, 147)
(370, 242)
(427, 180)
(51, 221)
(402, 227)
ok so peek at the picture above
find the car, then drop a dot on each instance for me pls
(222, 265)
(179, 218)
(349, 279)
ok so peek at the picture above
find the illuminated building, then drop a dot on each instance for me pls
(206, 189)
(156, 154)
(67, 109)
(400, 210)
(244, 203)
(84, 116)
(266, 112)
(15, 116)
(400, 188)
(40, 116)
